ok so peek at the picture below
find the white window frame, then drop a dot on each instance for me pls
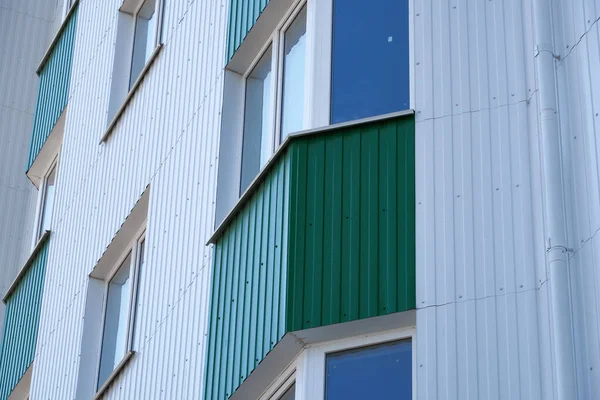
(41, 200)
(276, 42)
(132, 248)
(157, 38)
(308, 370)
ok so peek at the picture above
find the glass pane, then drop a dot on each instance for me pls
(114, 338)
(144, 40)
(293, 76)
(378, 372)
(370, 61)
(258, 124)
(46, 212)
(290, 394)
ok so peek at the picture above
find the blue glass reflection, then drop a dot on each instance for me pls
(378, 372)
(370, 65)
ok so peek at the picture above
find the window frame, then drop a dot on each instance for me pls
(41, 201)
(133, 248)
(157, 40)
(276, 42)
(308, 370)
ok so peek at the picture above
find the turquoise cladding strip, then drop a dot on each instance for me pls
(21, 321)
(53, 89)
(243, 14)
(248, 286)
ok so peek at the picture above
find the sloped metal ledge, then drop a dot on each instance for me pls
(57, 37)
(25, 267)
(247, 195)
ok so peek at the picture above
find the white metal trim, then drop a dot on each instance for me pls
(314, 385)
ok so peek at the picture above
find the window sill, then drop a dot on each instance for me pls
(26, 266)
(114, 374)
(243, 199)
(131, 93)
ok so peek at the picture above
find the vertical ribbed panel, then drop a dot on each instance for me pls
(167, 138)
(352, 243)
(53, 90)
(248, 289)
(327, 237)
(483, 329)
(577, 41)
(24, 29)
(18, 346)
(243, 14)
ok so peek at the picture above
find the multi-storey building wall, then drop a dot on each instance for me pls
(27, 28)
(461, 226)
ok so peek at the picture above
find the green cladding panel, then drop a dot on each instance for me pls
(21, 320)
(328, 236)
(53, 89)
(352, 243)
(243, 14)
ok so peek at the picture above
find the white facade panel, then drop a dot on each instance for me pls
(577, 43)
(167, 138)
(482, 296)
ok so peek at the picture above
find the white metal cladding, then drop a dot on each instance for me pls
(167, 138)
(25, 27)
(577, 42)
(483, 322)
(483, 328)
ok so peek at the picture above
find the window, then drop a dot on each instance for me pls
(377, 365)
(286, 47)
(293, 76)
(47, 190)
(370, 59)
(258, 122)
(144, 41)
(119, 310)
(139, 27)
(382, 371)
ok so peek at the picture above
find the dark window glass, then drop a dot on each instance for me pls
(378, 372)
(370, 64)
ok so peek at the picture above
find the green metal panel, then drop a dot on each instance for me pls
(328, 237)
(243, 14)
(53, 89)
(17, 349)
(352, 249)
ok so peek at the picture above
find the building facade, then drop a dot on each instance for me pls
(300, 199)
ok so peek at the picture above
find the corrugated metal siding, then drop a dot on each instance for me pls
(483, 327)
(328, 237)
(577, 41)
(53, 90)
(168, 137)
(248, 291)
(18, 346)
(352, 249)
(243, 14)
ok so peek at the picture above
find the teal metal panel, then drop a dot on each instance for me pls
(21, 320)
(352, 245)
(243, 14)
(53, 89)
(248, 290)
(328, 236)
